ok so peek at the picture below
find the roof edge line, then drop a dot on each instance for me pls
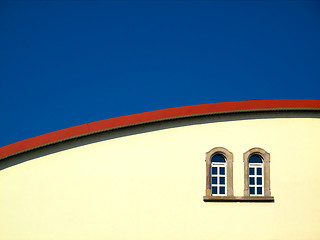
(156, 116)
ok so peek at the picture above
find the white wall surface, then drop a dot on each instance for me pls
(150, 186)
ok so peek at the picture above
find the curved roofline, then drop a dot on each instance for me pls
(156, 116)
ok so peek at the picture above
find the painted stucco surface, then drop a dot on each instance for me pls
(150, 185)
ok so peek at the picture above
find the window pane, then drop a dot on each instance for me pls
(251, 171)
(222, 170)
(214, 180)
(218, 158)
(251, 181)
(251, 190)
(259, 180)
(222, 190)
(214, 190)
(259, 171)
(214, 170)
(259, 190)
(222, 180)
(255, 159)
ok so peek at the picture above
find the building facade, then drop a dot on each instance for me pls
(236, 170)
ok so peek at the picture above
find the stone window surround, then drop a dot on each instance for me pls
(229, 168)
(266, 170)
(229, 160)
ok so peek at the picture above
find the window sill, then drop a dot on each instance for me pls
(238, 199)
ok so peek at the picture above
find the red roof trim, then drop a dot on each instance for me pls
(159, 115)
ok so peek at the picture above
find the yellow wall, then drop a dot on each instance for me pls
(150, 186)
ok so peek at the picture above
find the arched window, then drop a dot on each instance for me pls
(218, 175)
(219, 164)
(256, 173)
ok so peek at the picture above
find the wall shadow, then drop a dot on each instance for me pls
(149, 127)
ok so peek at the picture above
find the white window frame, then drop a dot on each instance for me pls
(218, 165)
(255, 166)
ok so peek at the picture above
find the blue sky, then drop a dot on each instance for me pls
(65, 63)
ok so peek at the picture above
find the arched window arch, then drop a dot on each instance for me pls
(219, 171)
(256, 172)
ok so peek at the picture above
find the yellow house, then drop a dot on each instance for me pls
(234, 170)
